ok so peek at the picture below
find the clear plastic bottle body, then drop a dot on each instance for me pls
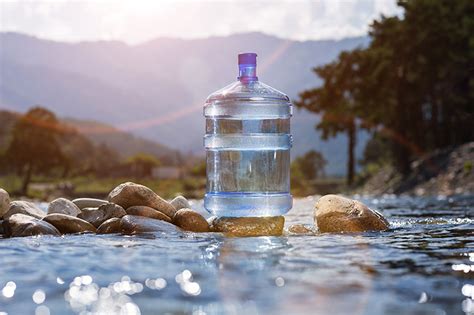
(248, 145)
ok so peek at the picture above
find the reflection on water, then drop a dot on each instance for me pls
(423, 265)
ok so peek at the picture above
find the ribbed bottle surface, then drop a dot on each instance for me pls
(248, 145)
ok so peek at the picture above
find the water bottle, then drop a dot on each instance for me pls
(248, 145)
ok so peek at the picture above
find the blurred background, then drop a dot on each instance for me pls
(93, 93)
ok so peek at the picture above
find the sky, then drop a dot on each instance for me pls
(136, 21)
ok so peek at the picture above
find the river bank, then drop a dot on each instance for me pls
(446, 172)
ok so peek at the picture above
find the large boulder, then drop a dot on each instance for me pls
(19, 224)
(69, 224)
(63, 206)
(82, 203)
(4, 202)
(249, 226)
(180, 203)
(132, 224)
(130, 194)
(98, 216)
(24, 207)
(148, 212)
(190, 220)
(334, 213)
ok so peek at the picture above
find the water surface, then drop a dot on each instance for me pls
(423, 265)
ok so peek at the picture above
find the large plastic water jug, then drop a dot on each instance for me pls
(248, 145)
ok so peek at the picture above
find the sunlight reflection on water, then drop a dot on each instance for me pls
(423, 265)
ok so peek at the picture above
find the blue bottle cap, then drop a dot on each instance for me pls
(248, 59)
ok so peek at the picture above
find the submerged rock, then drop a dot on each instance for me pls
(19, 224)
(300, 229)
(130, 194)
(334, 213)
(190, 220)
(64, 206)
(82, 203)
(69, 224)
(98, 216)
(249, 226)
(4, 202)
(180, 203)
(26, 208)
(132, 224)
(148, 212)
(110, 226)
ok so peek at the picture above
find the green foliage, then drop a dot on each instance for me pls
(412, 85)
(34, 147)
(310, 166)
(142, 164)
(199, 169)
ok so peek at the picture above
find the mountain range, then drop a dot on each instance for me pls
(156, 89)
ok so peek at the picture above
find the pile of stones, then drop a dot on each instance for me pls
(132, 208)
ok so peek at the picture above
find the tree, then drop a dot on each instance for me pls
(34, 147)
(142, 164)
(311, 164)
(337, 102)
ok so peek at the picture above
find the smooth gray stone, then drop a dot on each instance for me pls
(63, 206)
(26, 208)
(98, 216)
(4, 202)
(19, 225)
(132, 224)
(82, 203)
(68, 224)
(180, 203)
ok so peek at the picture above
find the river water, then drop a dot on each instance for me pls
(423, 265)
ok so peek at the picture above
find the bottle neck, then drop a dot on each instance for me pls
(248, 73)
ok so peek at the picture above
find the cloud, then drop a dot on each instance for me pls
(140, 20)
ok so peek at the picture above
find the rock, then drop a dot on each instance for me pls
(130, 194)
(26, 208)
(148, 212)
(82, 203)
(110, 226)
(132, 224)
(300, 229)
(4, 202)
(98, 216)
(68, 224)
(190, 220)
(180, 203)
(334, 213)
(249, 226)
(1, 227)
(19, 224)
(64, 206)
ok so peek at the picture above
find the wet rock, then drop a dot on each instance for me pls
(132, 224)
(82, 203)
(180, 203)
(98, 216)
(64, 206)
(1, 227)
(26, 208)
(19, 224)
(110, 226)
(130, 194)
(190, 220)
(334, 213)
(148, 212)
(4, 202)
(300, 229)
(249, 226)
(68, 224)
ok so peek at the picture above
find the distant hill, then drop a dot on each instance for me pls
(156, 89)
(123, 143)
